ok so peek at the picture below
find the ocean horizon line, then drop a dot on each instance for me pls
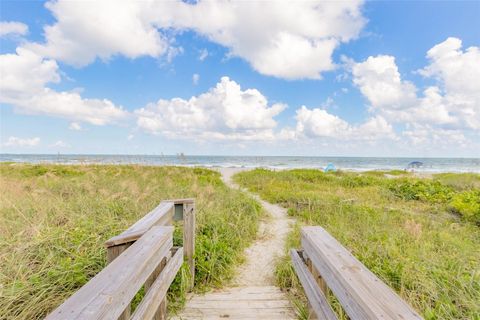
(429, 165)
(233, 156)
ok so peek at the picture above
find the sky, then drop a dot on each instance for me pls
(316, 78)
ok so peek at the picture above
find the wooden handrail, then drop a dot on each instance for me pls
(141, 255)
(156, 293)
(107, 294)
(182, 201)
(161, 215)
(361, 294)
(316, 297)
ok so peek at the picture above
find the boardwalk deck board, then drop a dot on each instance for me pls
(263, 302)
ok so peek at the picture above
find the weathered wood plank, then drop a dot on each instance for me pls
(321, 283)
(160, 216)
(312, 315)
(161, 312)
(244, 304)
(213, 297)
(361, 293)
(250, 290)
(112, 253)
(239, 313)
(110, 291)
(315, 296)
(181, 201)
(189, 237)
(255, 302)
(147, 309)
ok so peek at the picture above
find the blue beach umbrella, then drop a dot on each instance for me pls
(330, 167)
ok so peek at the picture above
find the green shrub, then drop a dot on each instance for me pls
(425, 190)
(357, 181)
(417, 247)
(467, 204)
(310, 175)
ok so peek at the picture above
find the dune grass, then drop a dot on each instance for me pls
(410, 232)
(54, 220)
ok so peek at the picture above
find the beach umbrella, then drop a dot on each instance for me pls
(330, 167)
(414, 165)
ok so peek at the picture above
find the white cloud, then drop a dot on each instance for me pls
(329, 103)
(457, 70)
(276, 42)
(458, 73)
(289, 39)
(86, 30)
(443, 110)
(439, 117)
(22, 142)
(454, 103)
(60, 144)
(373, 129)
(13, 28)
(431, 137)
(75, 126)
(24, 77)
(203, 54)
(130, 137)
(195, 78)
(318, 123)
(379, 80)
(71, 105)
(172, 52)
(224, 112)
(24, 74)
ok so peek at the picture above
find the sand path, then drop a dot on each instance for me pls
(253, 294)
(260, 256)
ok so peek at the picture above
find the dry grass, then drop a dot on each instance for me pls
(404, 230)
(55, 219)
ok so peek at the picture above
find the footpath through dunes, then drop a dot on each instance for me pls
(253, 294)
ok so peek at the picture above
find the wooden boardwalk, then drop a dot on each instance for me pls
(262, 302)
(144, 256)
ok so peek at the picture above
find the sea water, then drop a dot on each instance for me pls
(272, 162)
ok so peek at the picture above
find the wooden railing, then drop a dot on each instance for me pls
(142, 255)
(324, 266)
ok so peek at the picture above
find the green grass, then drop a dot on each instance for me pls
(418, 235)
(54, 220)
(459, 181)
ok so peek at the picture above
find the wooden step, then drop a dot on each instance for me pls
(265, 302)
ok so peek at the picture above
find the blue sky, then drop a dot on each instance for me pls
(379, 78)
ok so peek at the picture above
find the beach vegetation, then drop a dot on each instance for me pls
(54, 220)
(417, 234)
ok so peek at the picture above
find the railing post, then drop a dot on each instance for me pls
(311, 312)
(318, 279)
(189, 238)
(112, 253)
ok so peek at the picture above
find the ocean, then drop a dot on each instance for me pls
(272, 162)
